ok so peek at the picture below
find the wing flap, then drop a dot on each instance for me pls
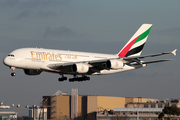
(94, 65)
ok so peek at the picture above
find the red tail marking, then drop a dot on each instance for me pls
(126, 49)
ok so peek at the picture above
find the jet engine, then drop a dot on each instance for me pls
(114, 64)
(80, 68)
(32, 72)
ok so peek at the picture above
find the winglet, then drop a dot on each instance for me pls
(174, 52)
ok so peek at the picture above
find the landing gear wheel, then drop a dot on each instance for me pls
(86, 78)
(13, 74)
(72, 79)
(59, 79)
(79, 79)
(62, 79)
(65, 78)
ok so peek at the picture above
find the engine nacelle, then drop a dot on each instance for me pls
(114, 64)
(32, 72)
(80, 68)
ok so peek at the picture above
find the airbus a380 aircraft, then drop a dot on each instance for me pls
(35, 60)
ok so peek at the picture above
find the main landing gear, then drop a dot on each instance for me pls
(13, 73)
(62, 78)
(79, 79)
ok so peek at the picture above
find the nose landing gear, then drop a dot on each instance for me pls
(13, 73)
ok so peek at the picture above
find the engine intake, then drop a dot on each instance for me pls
(114, 64)
(32, 72)
(80, 68)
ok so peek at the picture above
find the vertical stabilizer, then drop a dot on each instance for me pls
(135, 45)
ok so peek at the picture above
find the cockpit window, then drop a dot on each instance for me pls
(11, 55)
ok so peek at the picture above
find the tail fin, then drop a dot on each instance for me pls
(135, 45)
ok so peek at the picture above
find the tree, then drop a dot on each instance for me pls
(24, 118)
(161, 115)
(169, 111)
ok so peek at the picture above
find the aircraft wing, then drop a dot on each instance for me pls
(94, 63)
(97, 65)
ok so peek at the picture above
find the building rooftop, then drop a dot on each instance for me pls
(138, 109)
(8, 113)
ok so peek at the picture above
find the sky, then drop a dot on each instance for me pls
(102, 26)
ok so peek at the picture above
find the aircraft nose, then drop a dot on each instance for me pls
(5, 61)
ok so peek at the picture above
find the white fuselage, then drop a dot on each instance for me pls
(39, 59)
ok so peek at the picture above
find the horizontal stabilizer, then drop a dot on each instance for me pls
(152, 55)
(174, 52)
